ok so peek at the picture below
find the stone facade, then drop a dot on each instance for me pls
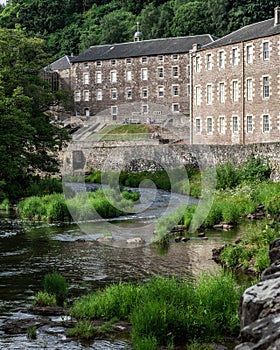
(154, 81)
(235, 87)
(143, 81)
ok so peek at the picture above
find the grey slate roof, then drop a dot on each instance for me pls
(143, 48)
(60, 64)
(252, 31)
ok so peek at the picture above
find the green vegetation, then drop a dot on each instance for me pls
(51, 207)
(243, 190)
(28, 141)
(54, 207)
(44, 299)
(80, 24)
(55, 284)
(55, 291)
(5, 205)
(251, 252)
(32, 333)
(106, 203)
(185, 181)
(86, 330)
(166, 311)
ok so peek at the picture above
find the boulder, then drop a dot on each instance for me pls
(259, 309)
(135, 240)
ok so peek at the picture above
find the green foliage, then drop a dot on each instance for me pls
(145, 343)
(28, 141)
(5, 205)
(32, 333)
(47, 208)
(267, 194)
(55, 284)
(226, 176)
(167, 310)
(39, 186)
(198, 346)
(106, 203)
(83, 329)
(130, 195)
(252, 250)
(252, 171)
(80, 24)
(44, 299)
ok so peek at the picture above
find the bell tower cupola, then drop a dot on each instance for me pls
(138, 36)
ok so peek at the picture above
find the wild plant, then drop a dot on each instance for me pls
(55, 284)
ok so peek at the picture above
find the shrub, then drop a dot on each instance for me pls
(252, 250)
(32, 208)
(254, 170)
(227, 176)
(5, 205)
(55, 284)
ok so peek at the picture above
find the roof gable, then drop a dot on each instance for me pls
(61, 64)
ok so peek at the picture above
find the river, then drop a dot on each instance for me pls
(29, 251)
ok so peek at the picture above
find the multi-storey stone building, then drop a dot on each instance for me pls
(135, 80)
(235, 86)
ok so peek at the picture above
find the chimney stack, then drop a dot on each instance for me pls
(277, 15)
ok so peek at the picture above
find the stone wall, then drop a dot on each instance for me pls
(113, 155)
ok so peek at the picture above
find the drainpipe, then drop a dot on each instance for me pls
(243, 92)
(191, 95)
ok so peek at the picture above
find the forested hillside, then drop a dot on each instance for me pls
(71, 26)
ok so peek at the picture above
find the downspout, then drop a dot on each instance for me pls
(191, 95)
(243, 91)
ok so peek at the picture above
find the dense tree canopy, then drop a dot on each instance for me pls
(71, 26)
(27, 138)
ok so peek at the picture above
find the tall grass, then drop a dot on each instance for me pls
(168, 310)
(47, 208)
(56, 284)
(106, 203)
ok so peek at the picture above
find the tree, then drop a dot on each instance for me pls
(117, 26)
(28, 141)
(190, 19)
(156, 22)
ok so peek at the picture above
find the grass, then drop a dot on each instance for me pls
(55, 290)
(122, 132)
(181, 180)
(166, 311)
(105, 203)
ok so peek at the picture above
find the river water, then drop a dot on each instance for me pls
(29, 251)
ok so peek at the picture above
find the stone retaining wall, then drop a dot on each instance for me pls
(118, 155)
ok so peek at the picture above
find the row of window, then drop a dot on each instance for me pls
(265, 92)
(234, 124)
(114, 110)
(143, 60)
(128, 93)
(234, 57)
(128, 75)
